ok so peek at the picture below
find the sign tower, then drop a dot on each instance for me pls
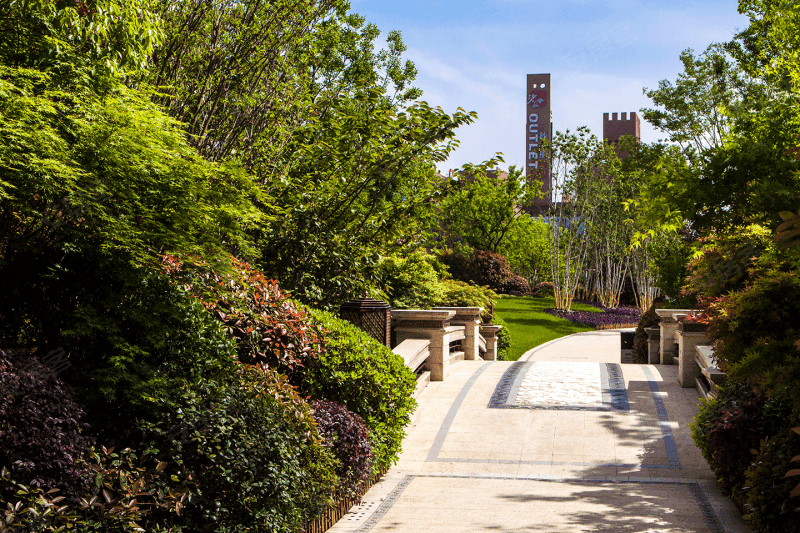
(538, 127)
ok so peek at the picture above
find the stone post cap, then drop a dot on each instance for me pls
(668, 315)
(491, 329)
(653, 333)
(422, 314)
(471, 312)
(422, 318)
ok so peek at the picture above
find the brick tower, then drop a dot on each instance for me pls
(618, 126)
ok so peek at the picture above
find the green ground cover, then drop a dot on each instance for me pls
(530, 326)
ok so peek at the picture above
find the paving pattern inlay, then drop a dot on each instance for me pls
(561, 385)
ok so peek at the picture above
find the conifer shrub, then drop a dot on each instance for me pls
(345, 434)
(364, 376)
(650, 319)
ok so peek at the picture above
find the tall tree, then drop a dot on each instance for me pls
(579, 162)
(527, 249)
(484, 207)
(94, 177)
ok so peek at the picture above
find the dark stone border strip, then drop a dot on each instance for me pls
(705, 507)
(707, 511)
(663, 420)
(617, 390)
(451, 414)
(503, 388)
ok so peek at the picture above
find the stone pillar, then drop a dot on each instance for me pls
(431, 325)
(690, 335)
(668, 326)
(653, 345)
(470, 318)
(489, 334)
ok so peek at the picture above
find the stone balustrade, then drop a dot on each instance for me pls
(714, 377)
(653, 344)
(441, 330)
(470, 318)
(669, 325)
(489, 336)
(434, 326)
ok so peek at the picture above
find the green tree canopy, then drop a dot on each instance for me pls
(485, 206)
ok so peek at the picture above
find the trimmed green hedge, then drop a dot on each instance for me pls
(368, 379)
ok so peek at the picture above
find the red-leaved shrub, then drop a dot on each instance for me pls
(41, 426)
(347, 436)
(516, 286)
(268, 326)
(543, 289)
(481, 267)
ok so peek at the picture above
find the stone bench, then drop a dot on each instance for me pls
(714, 377)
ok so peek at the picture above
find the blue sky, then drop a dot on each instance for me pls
(475, 55)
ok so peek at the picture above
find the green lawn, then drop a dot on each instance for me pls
(530, 326)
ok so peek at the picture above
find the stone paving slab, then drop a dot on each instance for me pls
(468, 467)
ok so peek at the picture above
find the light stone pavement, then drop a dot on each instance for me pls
(561, 383)
(477, 459)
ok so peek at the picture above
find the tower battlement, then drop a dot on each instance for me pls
(619, 124)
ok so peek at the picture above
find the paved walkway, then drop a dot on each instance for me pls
(565, 440)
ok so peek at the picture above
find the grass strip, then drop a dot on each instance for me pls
(530, 326)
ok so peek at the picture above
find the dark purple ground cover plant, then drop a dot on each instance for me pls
(605, 318)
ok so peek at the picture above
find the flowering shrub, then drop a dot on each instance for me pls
(768, 504)
(251, 448)
(268, 326)
(481, 267)
(348, 438)
(607, 318)
(749, 322)
(732, 424)
(129, 493)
